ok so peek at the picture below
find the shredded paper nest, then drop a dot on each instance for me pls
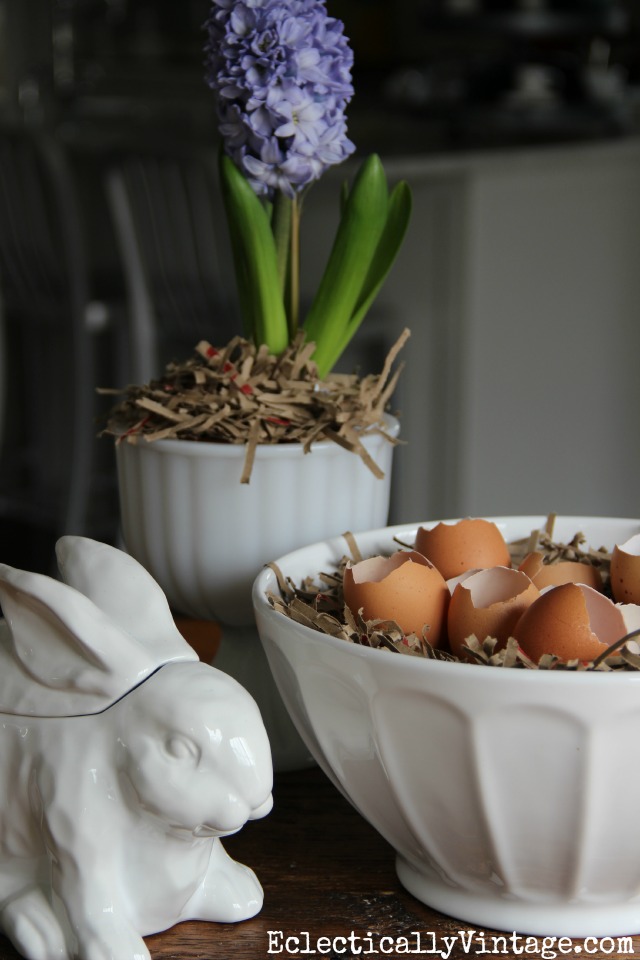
(242, 394)
(319, 603)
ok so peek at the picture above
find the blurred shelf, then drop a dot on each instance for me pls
(532, 24)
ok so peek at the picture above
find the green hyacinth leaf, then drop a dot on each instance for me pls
(399, 214)
(255, 260)
(377, 248)
(361, 226)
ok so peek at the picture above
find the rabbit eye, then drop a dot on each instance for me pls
(181, 748)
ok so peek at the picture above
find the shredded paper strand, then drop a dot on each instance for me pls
(241, 394)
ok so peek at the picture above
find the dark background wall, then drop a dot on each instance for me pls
(425, 62)
(99, 77)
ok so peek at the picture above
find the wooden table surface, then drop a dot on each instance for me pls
(326, 873)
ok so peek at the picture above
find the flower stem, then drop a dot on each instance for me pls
(285, 224)
(281, 228)
(293, 311)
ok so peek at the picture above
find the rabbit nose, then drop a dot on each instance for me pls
(263, 809)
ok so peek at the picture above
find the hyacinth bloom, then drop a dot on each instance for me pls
(281, 73)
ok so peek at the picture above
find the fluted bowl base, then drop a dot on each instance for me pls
(489, 912)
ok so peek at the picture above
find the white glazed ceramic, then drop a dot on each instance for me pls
(204, 536)
(110, 820)
(510, 796)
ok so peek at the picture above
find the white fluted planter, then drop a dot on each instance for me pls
(204, 536)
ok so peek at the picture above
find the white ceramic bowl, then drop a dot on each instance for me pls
(511, 797)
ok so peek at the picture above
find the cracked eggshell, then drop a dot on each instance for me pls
(572, 621)
(624, 571)
(488, 603)
(456, 547)
(453, 582)
(554, 574)
(631, 616)
(404, 587)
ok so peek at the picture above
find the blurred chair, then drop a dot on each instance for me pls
(47, 333)
(169, 222)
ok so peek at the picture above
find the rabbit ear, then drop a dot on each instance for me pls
(126, 592)
(60, 655)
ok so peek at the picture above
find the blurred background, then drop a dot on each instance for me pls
(517, 124)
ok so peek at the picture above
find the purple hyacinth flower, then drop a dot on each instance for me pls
(281, 72)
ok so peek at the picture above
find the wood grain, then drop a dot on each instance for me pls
(327, 873)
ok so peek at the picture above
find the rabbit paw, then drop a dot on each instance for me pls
(230, 892)
(33, 928)
(113, 945)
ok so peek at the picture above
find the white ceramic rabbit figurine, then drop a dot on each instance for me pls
(123, 760)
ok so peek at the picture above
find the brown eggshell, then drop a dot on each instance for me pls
(404, 587)
(456, 547)
(624, 571)
(489, 603)
(572, 621)
(554, 574)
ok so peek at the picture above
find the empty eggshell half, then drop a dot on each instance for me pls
(572, 621)
(564, 571)
(624, 571)
(489, 603)
(631, 616)
(404, 587)
(453, 582)
(456, 547)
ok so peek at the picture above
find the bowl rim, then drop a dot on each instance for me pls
(266, 580)
(203, 448)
